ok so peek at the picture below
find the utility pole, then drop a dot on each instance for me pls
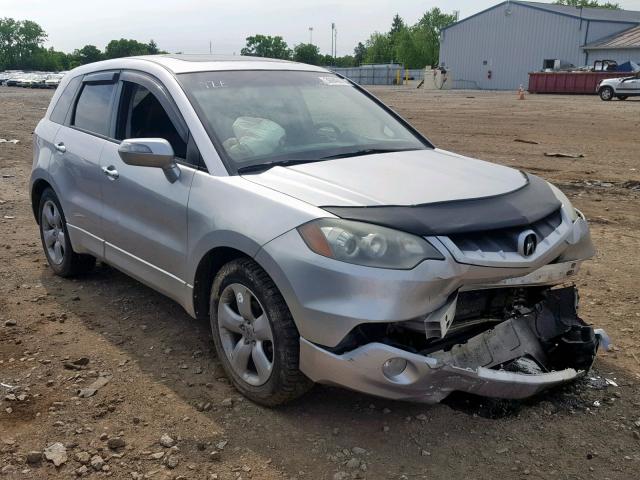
(333, 27)
(335, 44)
(311, 35)
(210, 47)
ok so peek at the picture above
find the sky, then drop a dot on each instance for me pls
(189, 26)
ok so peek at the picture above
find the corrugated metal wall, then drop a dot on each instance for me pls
(620, 55)
(510, 45)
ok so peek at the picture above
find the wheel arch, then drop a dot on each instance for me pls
(603, 87)
(208, 267)
(37, 189)
(214, 259)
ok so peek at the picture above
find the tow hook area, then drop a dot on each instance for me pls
(543, 345)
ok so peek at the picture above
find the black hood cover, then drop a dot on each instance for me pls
(524, 206)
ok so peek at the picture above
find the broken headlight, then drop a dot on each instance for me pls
(366, 244)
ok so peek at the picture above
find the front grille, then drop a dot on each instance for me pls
(505, 239)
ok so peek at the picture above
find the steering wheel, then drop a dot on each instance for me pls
(328, 130)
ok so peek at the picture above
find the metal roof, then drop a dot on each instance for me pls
(602, 14)
(590, 14)
(629, 38)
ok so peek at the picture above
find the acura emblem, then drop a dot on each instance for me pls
(527, 243)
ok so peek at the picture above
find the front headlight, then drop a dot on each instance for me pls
(366, 244)
(566, 204)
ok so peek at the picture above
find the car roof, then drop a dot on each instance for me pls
(185, 63)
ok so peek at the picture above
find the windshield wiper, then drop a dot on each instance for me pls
(287, 163)
(277, 163)
(366, 151)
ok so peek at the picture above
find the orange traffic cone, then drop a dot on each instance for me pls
(521, 93)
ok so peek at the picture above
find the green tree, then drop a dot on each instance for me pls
(428, 31)
(397, 25)
(125, 48)
(266, 46)
(588, 3)
(307, 53)
(20, 41)
(414, 46)
(87, 54)
(345, 61)
(379, 49)
(359, 53)
(152, 48)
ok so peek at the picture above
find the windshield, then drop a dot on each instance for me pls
(269, 117)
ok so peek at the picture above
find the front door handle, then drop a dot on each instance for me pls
(110, 172)
(60, 147)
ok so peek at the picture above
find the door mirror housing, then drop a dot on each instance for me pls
(150, 152)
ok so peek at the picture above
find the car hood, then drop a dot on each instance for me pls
(400, 178)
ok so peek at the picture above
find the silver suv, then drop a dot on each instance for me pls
(321, 235)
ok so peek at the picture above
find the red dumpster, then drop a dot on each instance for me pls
(568, 82)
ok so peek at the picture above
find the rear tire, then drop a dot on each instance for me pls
(242, 297)
(606, 93)
(55, 239)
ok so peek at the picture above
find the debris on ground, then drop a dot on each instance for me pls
(91, 390)
(563, 155)
(56, 453)
(522, 140)
(13, 140)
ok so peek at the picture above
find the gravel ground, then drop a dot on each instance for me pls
(165, 410)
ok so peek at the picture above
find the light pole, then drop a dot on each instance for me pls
(335, 44)
(311, 35)
(333, 27)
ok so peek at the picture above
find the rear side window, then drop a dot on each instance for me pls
(93, 112)
(59, 113)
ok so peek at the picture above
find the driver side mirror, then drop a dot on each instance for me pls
(150, 152)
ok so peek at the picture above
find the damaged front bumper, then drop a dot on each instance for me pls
(542, 347)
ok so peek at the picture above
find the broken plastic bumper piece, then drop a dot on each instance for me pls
(517, 358)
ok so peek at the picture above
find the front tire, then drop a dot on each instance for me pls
(55, 239)
(255, 337)
(606, 93)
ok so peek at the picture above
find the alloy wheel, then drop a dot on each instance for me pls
(53, 232)
(245, 334)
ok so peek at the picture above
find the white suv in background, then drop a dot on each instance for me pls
(620, 88)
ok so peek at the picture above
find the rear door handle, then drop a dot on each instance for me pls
(60, 147)
(110, 172)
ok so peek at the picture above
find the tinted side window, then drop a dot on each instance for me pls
(143, 116)
(92, 109)
(59, 112)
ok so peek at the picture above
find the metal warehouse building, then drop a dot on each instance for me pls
(498, 47)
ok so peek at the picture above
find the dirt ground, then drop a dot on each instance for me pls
(58, 336)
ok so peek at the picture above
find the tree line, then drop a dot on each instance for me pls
(415, 46)
(21, 48)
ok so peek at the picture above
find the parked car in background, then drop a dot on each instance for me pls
(53, 80)
(13, 78)
(620, 87)
(27, 80)
(31, 79)
(322, 236)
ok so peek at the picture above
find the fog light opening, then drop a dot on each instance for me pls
(394, 367)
